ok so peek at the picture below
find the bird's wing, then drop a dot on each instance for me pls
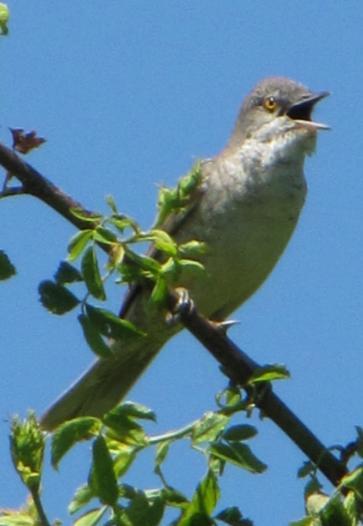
(174, 222)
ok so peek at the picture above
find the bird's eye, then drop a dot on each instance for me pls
(270, 104)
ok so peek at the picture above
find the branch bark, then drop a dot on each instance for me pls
(235, 363)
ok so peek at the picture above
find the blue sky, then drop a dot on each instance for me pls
(128, 94)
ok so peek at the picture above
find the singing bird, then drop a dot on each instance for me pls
(245, 210)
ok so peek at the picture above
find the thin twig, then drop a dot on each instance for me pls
(40, 510)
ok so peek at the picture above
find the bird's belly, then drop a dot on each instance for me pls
(243, 247)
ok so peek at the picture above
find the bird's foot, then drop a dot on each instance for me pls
(184, 305)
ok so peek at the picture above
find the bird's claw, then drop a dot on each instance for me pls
(183, 306)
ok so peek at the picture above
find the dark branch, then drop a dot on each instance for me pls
(235, 363)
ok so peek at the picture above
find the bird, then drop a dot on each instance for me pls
(244, 211)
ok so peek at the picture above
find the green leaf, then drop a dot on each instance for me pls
(56, 298)
(94, 338)
(15, 518)
(306, 521)
(134, 410)
(202, 503)
(354, 481)
(91, 517)
(268, 373)
(111, 325)
(233, 516)
(81, 497)
(27, 450)
(159, 292)
(162, 450)
(209, 427)
(7, 269)
(105, 236)
(110, 200)
(126, 430)
(305, 470)
(145, 263)
(103, 479)
(334, 513)
(67, 273)
(237, 454)
(90, 217)
(190, 265)
(78, 243)
(192, 248)
(124, 459)
(70, 433)
(239, 432)
(145, 511)
(4, 19)
(91, 274)
(163, 241)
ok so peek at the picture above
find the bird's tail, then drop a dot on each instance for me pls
(104, 384)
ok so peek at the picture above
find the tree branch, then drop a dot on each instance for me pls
(235, 363)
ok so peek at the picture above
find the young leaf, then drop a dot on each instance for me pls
(134, 410)
(237, 454)
(127, 431)
(78, 243)
(91, 274)
(162, 450)
(27, 450)
(90, 217)
(103, 479)
(144, 510)
(70, 433)
(81, 497)
(93, 337)
(7, 269)
(56, 298)
(354, 481)
(159, 292)
(111, 325)
(202, 503)
(4, 18)
(112, 203)
(104, 235)
(268, 373)
(239, 432)
(91, 517)
(233, 516)
(163, 242)
(209, 427)
(67, 273)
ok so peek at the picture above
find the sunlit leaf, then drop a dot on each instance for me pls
(209, 427)
(70, 433)
(91, 273)
(103, 479)
(91, 517)
(268, 373)
(78, 243)
(202, 503)
(238, 454)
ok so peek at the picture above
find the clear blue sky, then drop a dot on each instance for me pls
(128, 94)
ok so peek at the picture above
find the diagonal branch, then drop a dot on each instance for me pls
(235, 363)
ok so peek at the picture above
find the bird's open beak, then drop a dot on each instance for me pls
(301, 111)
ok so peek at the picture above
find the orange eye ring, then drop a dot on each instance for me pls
(270, 104)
